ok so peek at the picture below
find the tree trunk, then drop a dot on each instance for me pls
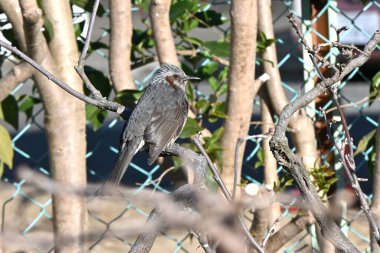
(241, 83)
(165, 45)
(64, 118)
(120, 45)
(303, 135)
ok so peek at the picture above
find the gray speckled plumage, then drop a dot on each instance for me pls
(157, 120)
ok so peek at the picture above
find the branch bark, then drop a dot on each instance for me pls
(270, 163)
(12, 9)
(120, 45)
(165, 45)
(294, 165)
(18, 74)
(303, 135)
(64, 122)
(241, 83)
(376, 189)
(288, 232)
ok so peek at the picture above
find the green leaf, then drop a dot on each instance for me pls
(190, 92)
(6, 149)
(216, 135)
(191, 128)
(209, 68)
(87, 6)
(210, 18)
(374, 90)
(218, 48)
(99, 80)
(9, 35)
(78, 28)
(26, 104)
(194, 41)
(128, 98)
(214, 83)
(1, 168)
(10, 111)
(180, 8)
(97, 45)
(368, 139)
(95, 116)
(49, 30)
(202, 105)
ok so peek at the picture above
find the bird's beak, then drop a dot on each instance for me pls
(187, 78)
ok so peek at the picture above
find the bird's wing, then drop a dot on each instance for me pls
(166, 124)
(141, 115)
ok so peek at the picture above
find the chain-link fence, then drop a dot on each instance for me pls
(28, 212)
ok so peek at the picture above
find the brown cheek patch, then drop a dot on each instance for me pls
(170, 80)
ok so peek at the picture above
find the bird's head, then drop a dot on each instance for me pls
(174, 76)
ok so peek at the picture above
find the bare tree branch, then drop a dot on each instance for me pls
(294, 165)
(225, 191)
(303, 135)
(18, 74)
(12, 9)
(288, 232)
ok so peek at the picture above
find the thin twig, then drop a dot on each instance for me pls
(272, 229)
(237, 147)
(346, 154)
(88, 35)
(225, 191)
(103, 104)
(80, 68)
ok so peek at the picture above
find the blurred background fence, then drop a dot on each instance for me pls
(28, 212)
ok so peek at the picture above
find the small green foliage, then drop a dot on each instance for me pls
(128, 98)
(260, 158)
(218, 48)
(210, 18)
(6, 149)
(87, 6)
(180, 8)
(49, 30)
(10, 110)
(26, 104)
(99, 80)
(374, 90)
(213, 147)
(367, 141)
(191, 128)
(263, 42)
(323, 177)
(95, 116)
(285, 181)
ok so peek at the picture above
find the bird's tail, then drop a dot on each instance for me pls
(124, 158)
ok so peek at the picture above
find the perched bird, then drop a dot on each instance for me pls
(156, 122)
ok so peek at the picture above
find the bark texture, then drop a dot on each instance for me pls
(64, 117)
(18, 74)
(241, 90)
(303, 134)
(288, 232)
(165, 45)
(376, 189)
(270, 163)
(120, 45)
